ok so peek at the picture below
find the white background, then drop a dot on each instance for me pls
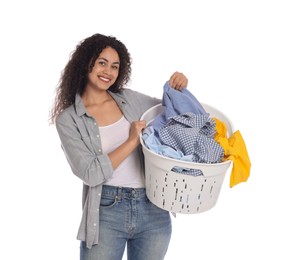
(236, 55)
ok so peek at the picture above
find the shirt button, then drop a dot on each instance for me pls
(99, 194)
(94, 224)
(97, 136)
(99, 150)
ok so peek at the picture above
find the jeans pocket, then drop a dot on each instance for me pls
(108, 202)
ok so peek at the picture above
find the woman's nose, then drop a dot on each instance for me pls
(107, 70)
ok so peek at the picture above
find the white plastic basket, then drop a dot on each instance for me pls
(178, 192)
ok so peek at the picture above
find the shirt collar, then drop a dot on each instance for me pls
(118, 97)
(80, 108)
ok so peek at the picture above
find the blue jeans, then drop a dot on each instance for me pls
(127, 217)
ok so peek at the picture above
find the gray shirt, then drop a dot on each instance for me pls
(80, 139)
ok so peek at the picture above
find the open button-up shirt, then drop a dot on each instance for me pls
(81, 143)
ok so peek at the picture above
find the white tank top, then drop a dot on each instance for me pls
(128, 173)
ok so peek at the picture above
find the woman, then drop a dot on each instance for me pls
(97, 120)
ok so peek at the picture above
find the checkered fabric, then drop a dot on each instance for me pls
(193, 135)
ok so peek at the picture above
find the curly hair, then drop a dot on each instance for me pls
(74, 77)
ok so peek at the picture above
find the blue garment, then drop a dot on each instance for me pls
(153, 143)
(184, 130)
(177, 102)
(192, 135)
(128, 217)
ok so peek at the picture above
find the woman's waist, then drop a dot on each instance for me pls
(123, 192)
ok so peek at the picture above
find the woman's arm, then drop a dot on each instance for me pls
(125, 149)
(92, 169)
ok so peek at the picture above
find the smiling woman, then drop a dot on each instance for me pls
(236, 55)
(98, 122)
(98, 102)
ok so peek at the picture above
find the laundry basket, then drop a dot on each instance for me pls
(178, 192)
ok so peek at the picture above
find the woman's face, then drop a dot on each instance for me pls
(105, 70)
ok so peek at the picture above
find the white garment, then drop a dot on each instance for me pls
(128, 173)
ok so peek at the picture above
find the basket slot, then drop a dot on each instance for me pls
(188, 171)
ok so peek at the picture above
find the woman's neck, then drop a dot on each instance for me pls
(95, 97)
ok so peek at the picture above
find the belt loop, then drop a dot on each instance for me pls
(134, 193)
(119, 191)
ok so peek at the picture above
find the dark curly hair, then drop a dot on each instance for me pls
(74, 77)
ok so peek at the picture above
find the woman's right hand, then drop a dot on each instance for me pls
(124, 150)
(135, 130)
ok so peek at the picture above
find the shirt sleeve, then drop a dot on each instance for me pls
(91, 168)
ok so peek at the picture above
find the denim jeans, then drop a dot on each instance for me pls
(128, 218)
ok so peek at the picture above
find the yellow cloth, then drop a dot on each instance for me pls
(234, 150)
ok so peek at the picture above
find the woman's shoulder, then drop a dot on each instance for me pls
(137, 100)
(67, 114)
(129, 94)
(74, 111)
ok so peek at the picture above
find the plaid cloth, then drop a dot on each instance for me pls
(193, 135)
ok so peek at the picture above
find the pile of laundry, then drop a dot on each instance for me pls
(185, 131)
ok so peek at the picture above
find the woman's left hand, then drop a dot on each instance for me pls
(178, 81)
